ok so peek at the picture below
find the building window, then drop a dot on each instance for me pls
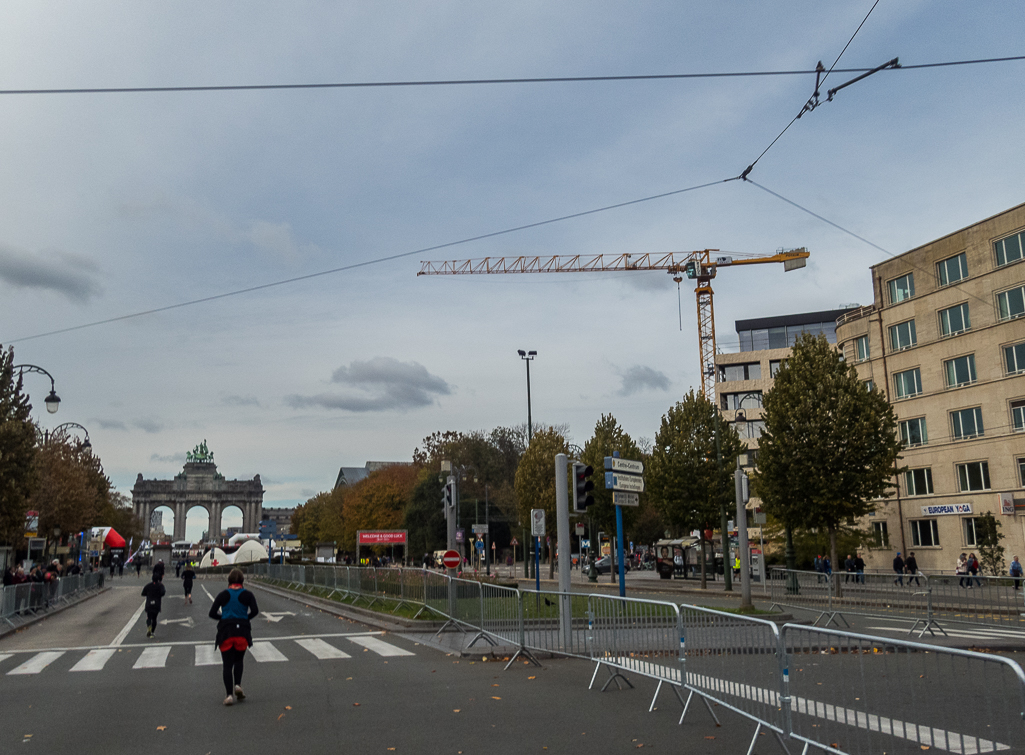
(918, 481)
(966, 423)
(734, 401)
(960, 371)
(955, 320)
(1014, 358)
(774, 366)
(750, 371)
(908, 383)
(1010, 249)
(924, 532)
(969, 531)
(1018, 416)
(902, 288)
(881, 536)
(861, 349)
(1021, 472)
(973, 476)
(902, 335)
(913, 432)
(1011, 304)
(869, 384)
(952, 270)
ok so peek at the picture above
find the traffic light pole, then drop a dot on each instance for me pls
(742, 547)
(565, 554)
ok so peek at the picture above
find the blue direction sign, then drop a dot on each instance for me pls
(615, 464)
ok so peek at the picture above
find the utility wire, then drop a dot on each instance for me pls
(477, 82)
(849, 41)
(368, 263)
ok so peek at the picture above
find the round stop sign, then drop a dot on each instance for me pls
(451, 559)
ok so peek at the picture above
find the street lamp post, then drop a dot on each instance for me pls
(67, 426)
(528, 357)
(53, 400)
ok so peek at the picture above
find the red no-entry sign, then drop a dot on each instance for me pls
(451, 559)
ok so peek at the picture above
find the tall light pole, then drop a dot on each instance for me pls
(52, 401)
(47, 434)
(528, 357)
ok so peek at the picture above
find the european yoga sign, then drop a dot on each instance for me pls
(947, 508)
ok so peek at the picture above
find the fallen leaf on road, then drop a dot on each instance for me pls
(161, 728)
(355, 705)
(391, 749)
(925, 747)
(27, 736)
(709, 737)
(494, 685)
(456, 710)
(288, 707)
(531, 677)
(281, 716)
(495, 698)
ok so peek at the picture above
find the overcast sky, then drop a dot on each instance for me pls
(112, 204)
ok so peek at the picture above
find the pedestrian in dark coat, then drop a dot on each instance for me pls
(911, 567)
(898, 568)
(153, 592)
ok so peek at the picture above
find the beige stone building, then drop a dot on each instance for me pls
(944, 341)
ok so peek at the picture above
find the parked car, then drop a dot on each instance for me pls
(603, 564)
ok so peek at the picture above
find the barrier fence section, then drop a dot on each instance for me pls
(642, 636)
(856, 694)
(923, 599)
(18, 603)
(555, 622)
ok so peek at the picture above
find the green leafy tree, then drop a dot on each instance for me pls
(17, 452)
(987, 539)
(829, 446)
(608, 438)
(685, 480)
(71, 488)
(319, 520)
(535, 477)
(423, 517)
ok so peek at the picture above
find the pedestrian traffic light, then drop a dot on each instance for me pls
(582, 488)
(446, 496)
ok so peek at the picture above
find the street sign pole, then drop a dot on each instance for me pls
(619, 551)
(745, 553)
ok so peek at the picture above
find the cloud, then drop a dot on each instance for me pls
(240, 401)
(171, 459)
(110, 424)
(149, 425)
(72, 275)
(386, 384)
(638, 378)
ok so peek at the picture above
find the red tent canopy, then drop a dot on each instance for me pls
(113, 539)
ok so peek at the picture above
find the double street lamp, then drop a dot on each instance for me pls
(53, 400)
(47, 434)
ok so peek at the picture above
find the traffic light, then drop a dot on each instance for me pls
(446, 496)
(582, 488)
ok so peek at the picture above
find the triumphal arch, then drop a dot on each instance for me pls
(199, 484)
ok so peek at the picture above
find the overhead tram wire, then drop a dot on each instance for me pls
(368, 263)
(475, 82)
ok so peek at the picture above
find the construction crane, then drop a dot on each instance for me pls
(699, 266)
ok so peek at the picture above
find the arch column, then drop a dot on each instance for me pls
(215, 521)
(179, 521)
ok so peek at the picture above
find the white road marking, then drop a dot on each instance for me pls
(36, 663)
(322, 649)
(208, 594)
(147, 644)
(94, 660)
(5, 656)
(128, 627)
(264, 652)
(379, 646)
(153, 657)
(206, 655)
(275, 616)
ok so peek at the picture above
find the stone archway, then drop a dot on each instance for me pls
(195, 521)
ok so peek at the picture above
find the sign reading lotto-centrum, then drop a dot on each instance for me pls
(948, 508)
(381, 537)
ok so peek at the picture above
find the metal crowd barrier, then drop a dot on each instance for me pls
(19, 603)
(918, 597)
(824, 689)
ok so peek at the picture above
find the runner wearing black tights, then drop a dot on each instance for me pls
(234, 609)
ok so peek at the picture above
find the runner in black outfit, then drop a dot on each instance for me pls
(234, 608)
(187, 576)
(154, 591)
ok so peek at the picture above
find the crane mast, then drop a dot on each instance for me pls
(699, 266)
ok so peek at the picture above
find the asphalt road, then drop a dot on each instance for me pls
(88, 680)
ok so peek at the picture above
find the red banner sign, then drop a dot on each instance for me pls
(382, 537)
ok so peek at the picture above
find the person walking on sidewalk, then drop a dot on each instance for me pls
(961, 569)
(1016, 572)
(898, 568)
(911, 567)
(973, 570)
(153, 592)
(234, 609)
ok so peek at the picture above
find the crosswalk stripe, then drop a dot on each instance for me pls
(153, 657)
(94, 660)
(206, 655)
(379, 646)
(265, 652)
(36, 663)
(322, 650)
